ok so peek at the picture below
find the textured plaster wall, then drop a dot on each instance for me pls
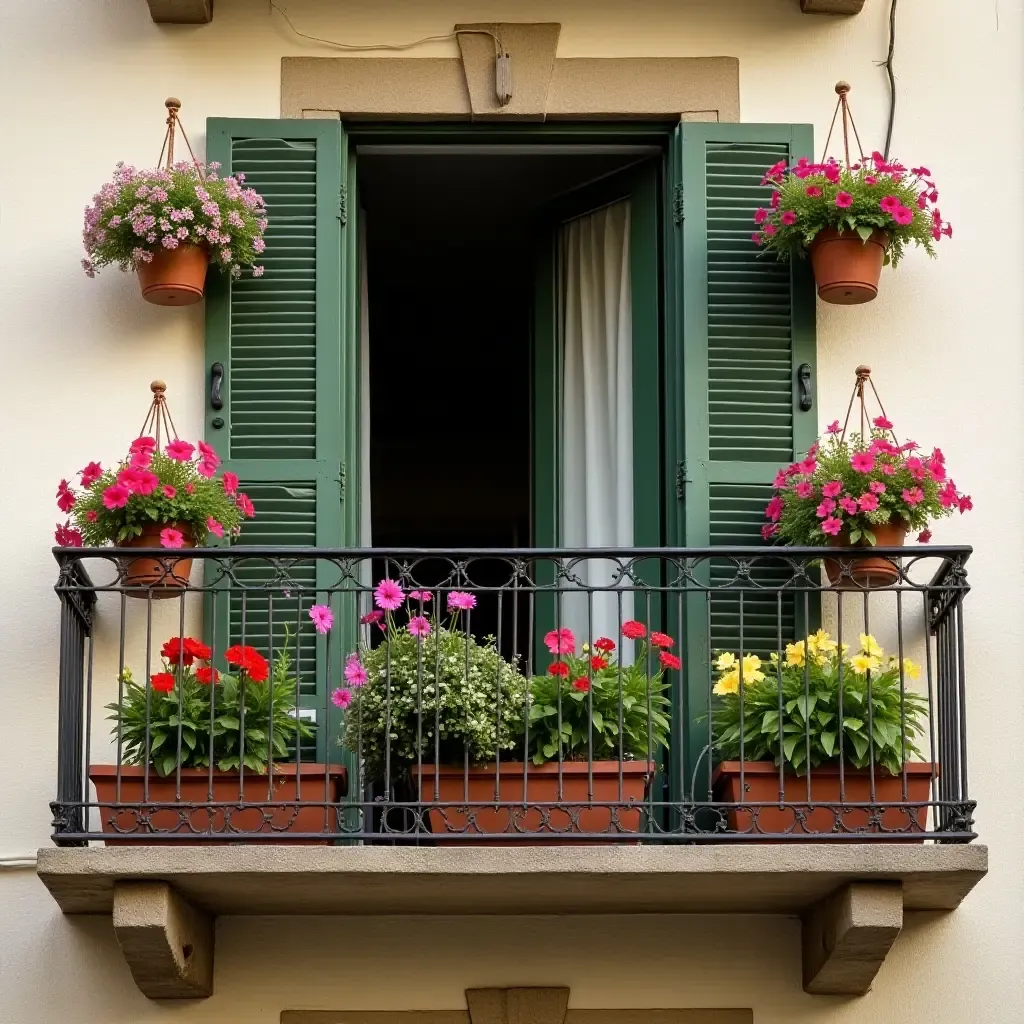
(83, 85)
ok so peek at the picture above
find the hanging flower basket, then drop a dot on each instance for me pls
(170, 223)
(851, 219)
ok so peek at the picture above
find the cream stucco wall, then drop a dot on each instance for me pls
(83, 85)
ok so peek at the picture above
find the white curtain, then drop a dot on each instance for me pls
(596, 449)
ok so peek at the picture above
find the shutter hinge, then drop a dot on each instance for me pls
(678, 208)
(341, 480)
(343, 203)
(681, 479)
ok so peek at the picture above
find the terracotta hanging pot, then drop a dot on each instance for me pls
(174, 277)
(846, 268)
(872, 570)
(152, 576)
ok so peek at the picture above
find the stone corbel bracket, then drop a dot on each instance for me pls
(831, 6)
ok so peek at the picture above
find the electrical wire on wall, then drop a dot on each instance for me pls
(892, 77)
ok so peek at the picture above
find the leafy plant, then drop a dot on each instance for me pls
(175, 486)
(876, 196)
(428, 687)
(851, 486)
(140, 213)
(817, 702)
(234, 719)
(575, 709)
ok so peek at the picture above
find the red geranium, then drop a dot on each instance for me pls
(558, 668)
(669, 660)
(597, 663)
(602, 643)
(180, 651)
(163, 681)
(633, 630)
(249, 661)
(207, 675)
(582, 684)
(661, 640)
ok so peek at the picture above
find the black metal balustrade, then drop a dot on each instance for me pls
(472, 713)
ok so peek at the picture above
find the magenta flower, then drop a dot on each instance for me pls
(788, 218)
(924, 536)
(882, 423)
(876, 487)
(776, 196)
(804, 489)
(913, 495)
(915, 467)
(418, 626)
(888, 469)
(245, 505)
(756, 238)
(769, 230)
(388, 595)
(965, 503)
(65, 497)
(844, 200)
(870, 179)
(831, 489)
(774, 509)
(862, 462)
(813, 191)
(769, 530)
(868, 502)
(116, 496)
(355, 671)
(890, 204)
(230, 481)
(760, 216)
(180, 451)
(371, 617)
(848, 504)
(420, 595)
(66, 537)
(832, 526)
(560, 641)
(834, 428)
(826, 508)
(207, 469)
(322, 616)
(92, 472)
(948, 496)
(460, 601)
(342, 697)
(214, 527)
(171, 538)
(904, 215)
(780, 479)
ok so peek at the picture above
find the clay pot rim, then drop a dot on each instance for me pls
(830, 234)
(911, 768)
(135, 771)
(446, 771)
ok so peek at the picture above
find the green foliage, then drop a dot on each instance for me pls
(447, 678)
(803, 725)
(575, 716)
(196, 500)
(246, 721)
(876, 196)
(140, 213)
(854, 485)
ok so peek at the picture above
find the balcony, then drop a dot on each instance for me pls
(273, 731)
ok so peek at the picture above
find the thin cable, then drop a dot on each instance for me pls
(390, 46)
(892, 77)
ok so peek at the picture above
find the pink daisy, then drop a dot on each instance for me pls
(388, 595)
(355, 672)
(418, 626)
(322, 616)
(420, 595)
(342, 697)
(460, 601)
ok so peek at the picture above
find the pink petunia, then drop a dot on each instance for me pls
(888, 469)
(92, 515)
(370, 617)
(116, 496)
(832, 489)
(844, 200)
(876, 487)
(341, 697)
(774, 509)
(760, 216)
(355, 672)
(965, 503)
(788, 218)
(814, 191)
(924, 536)
(142, 444)
(776, 196)
(904, 215)
(560, 641)
(848, 504)
(418, 626)
(244, 504)
(460, 601)
(882, 423)
(834, 428)
(388, 595)
(890, 204)
(207, 469)
(92, 472)
(936, 469)
(769, 530)
(862, 462)
(756, 238)
(230, 482)
(214, 527)
(832, 526)
(913, 495)
(65, 497)
(67, 537)
(209, 453)
(804, 489)
(780, 479)
(180, 451)
(769, 230)
(171, 538)
(826, 508)
(169, 491)
(322, 616)
(867, 502)
(948, 496)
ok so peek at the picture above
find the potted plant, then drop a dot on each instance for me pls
(435, 705)
(847, 720)
(208, 752)
(851, 220)
(862, 491)
(169, 223)
(154, 498)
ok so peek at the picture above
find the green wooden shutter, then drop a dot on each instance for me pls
(287, 343)
(744, 323)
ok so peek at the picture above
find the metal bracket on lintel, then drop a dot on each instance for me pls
(181, 12)
(831, 6)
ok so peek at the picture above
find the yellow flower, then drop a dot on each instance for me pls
(870, 646)
(912, 669)
(820, 643)
(795, 654)
(862, 663)
(585, 648)
(752, 669)
(725, 661)
(729, 683)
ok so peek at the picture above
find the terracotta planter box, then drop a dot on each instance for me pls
(846, 268)
(235, 821)
(162, 577)
(871, 570)
(575, 816)
(761, 786)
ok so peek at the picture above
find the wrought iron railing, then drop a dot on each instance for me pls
(723, 695)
